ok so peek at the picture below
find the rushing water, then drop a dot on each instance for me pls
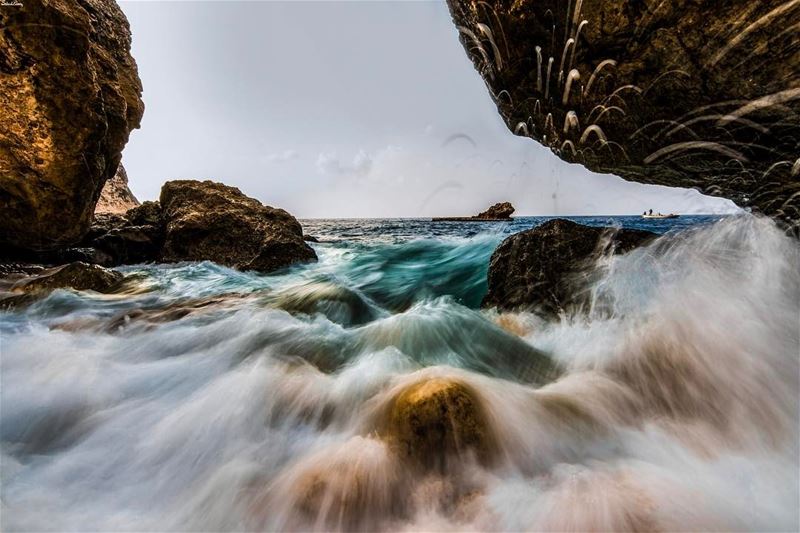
(208, 399)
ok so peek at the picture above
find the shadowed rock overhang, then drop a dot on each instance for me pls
(704, 95)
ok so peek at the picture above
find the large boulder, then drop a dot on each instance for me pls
(679, 93)
(210, 221)
(116, 197)
(541, 268)
(69, 96)
(436, 420)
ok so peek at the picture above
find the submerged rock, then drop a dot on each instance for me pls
(210, 221)
(69, 96)
(540, 268)
(436, 419)
(78, 276)
(677, 93)
(116, 197)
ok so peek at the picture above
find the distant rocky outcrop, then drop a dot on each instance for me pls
(497, 213)
(116, 197)
(540, 269)
(204, 220)
(69, 96)
(678, 93)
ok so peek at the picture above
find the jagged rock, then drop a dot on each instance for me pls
(678, 93)
(129, 244)
(146, 214)
(437, 419)
(498, 211)
(540, 268)
(69, 96)
(211, 221)
(116, 197)
(79, 276)
(135, 237)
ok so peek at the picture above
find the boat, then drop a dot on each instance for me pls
(659, 215)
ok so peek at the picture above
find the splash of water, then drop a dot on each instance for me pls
(670, 403)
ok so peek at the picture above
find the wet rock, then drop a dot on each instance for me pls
(211, 221)
(498, 211)
(437, 419)
(116, 197)
(69, 96)
(78, 276)
(678, 93)
(310, 238)
(540, 269)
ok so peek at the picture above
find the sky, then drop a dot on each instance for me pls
(345, 109)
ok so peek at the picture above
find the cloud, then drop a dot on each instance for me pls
(329, 163)
(280, 157)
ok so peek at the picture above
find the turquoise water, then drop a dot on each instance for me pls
(201, 398)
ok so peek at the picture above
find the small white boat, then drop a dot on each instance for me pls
(659, 215)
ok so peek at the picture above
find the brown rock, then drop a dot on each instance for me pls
(78, 276)
(69, 96)
(437, 419)
(540, 268)
(498, 211)
(116, 197)
(211, 221)
(680, 93)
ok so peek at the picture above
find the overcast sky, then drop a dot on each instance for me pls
(345, 109)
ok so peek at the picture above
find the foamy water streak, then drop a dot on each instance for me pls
(217, 400)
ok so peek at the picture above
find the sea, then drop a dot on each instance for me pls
(200, 398)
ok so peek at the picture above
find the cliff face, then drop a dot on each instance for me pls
(116, 197)
(679, 93)
(69, 96)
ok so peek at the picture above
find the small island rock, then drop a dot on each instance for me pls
(498, 211)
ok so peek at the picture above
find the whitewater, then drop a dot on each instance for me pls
(199, 398)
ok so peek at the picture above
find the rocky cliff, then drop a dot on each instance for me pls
(69, 96)
(679, 93)
(116, 197)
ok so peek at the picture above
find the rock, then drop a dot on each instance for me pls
(215, 222)
(498, 211)
(69, 96)
(116, 197)
(677, 93)
(148, 213)
(135, 237)
(310, 238)
(79, 276)
(128, 245)
(437, 419)
(540, 268)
